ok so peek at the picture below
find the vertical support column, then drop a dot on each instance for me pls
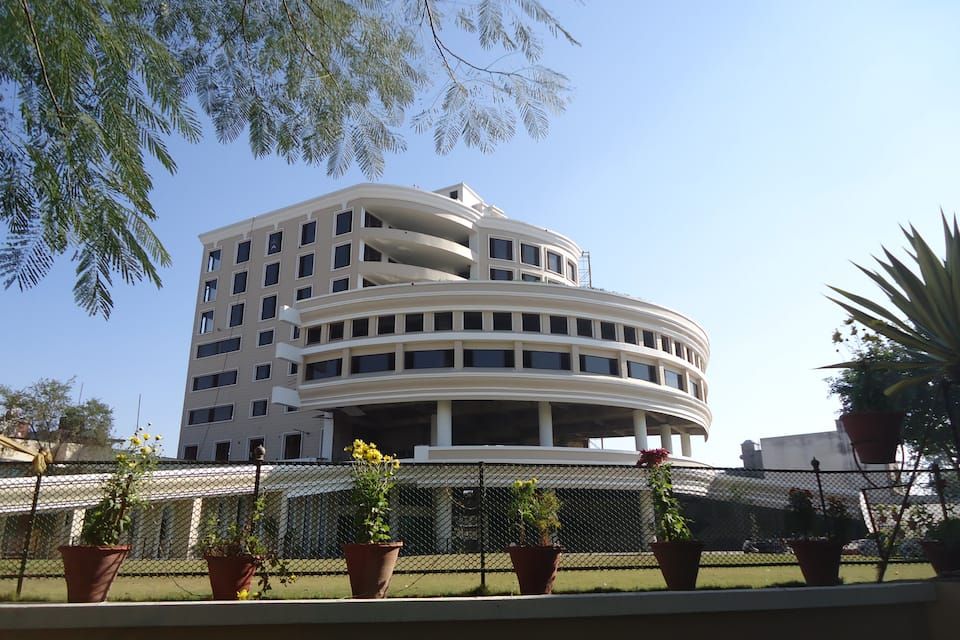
(575, 358)
(282, 515)
(665, 440)
(433, 430)
(640, 429)
(685, 449)
(517, 355)
(546, 424)
(458, 354)
(326, 438)
(442, 519)
(75, 522)
(398, 357)
(196, 509)
(444, 423)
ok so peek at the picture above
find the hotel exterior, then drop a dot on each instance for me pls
(434, 325)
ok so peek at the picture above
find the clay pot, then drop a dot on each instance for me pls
(679, 563)
(536, 567)
(229, 575)
(819, 561)
(90, 570)
(370, 567)
(874, 435)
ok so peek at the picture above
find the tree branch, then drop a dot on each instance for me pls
(43, 65)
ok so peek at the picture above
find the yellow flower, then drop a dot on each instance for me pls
(146, 450)
(243, 594)
(146, 436)
(135, 441)
(158, 438)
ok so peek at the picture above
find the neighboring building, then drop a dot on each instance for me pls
(831, 448)
(432, 324)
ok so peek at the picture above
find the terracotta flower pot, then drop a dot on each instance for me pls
(536, 567)
(679, 563)
(944, 560)
(874, 435)
(90, 570)
(370, 567)
(819, 561)
(229, 575)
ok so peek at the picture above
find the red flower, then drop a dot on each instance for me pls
(652, 457)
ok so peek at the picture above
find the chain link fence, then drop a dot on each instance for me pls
(452, 518)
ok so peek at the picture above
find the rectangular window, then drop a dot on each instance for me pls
(264, 338)
(341, 256)
(215, 380)
(360, 328)
(252, 445)
(344, 223)
(243, 251)
(649, 340)
(274, 242)
(608, 331)
(321, 370)
(291, 446)
(554, 262)
(642, 371)
(673, 379)
(206, 322)
(213, 260)
(386, 325)
(413, 323)
(190, 452)
(630, 335)
(304, 292)
(598, 365)
(209, 290)
(488, 358)
(239, 282)
(531, 322)
(501, 274)
(546, 360)
(373, 363)
(293, 369)
(571, 270)
(258, 408)
(678, 349)
(585, 327)
(268, 309)
(530, 254)
(370, 254)
(271, 274)
(695, 390)
(335, 332)
(529, 277)
(501, 249)
(236, 314)
(211, 414)
(215, 348)
(502, 321)
(308, 233)
(222, 452)
(665, 343)
(305, 266)
(341, 284)
(261, 372)
(473, 321)
(558, 325)
(433, 359)
(294, 333)
(372, 221)
(443, 321)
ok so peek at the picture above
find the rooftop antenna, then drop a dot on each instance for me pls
(80, 395)
(139, 397)
(585, 276)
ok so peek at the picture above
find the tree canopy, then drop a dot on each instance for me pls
(89, 90)
(46, 409)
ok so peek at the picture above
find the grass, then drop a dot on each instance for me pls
(168, 588)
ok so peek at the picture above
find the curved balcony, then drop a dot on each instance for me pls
(429, 214)
(394, 273)
(419, 249)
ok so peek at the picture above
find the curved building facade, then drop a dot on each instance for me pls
(434, 325)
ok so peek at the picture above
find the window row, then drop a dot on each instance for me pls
(228, 378)
(533, 255)
(292, 448)
(268, 311)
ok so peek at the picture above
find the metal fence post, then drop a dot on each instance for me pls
(26, 541)
(483, 544)
(823, 505)
(258, 454)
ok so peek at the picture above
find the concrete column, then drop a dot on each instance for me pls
(575, 357)
(518, 355)
(640, 429)
(458, 354)
(326, 438)
(665, 440)
(433, 430)
(685, 449)
(442, 519)
(444, 423)
(76, 525)
(193, 532)
(546, 424)
(345, 366)
(398, 357)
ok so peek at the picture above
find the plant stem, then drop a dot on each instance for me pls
(945, 385)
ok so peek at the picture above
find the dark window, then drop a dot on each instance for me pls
(271, 274)
(368, 283)
(243, 251)
(473, 320)
(641, 371)
(665, 343)
(530, 254)
(340, 285)
(558, 325)
(455, 195)
(372, 221)
(293, 369)
(314, 335)
(386, 325)
(531, 322)
(433, 359)
(571, 271)
(324, 369)
(274, 242)
(596, 364)
(608, 331)
(630, 335)
(222, 452)
(252, 447)
(221, 346)
(258, 408)
(341, 256)
(546, 360)
(336, 331)
(370, 254)
(295, 333)
(239, 282)
(213, 260)
(206, 322)
(209, 290)
(361, 327)
(413, 322)
(443, 321)
(554, 262)
(308, 233)
(585, 327)
(268, 309)
(678, 349)
(190, 452)
(501, 249)
(673, 379)
(373, 363)
(344, 223)
(304, 292)
(291, 446)
(305, 266)
(501, 274)
(214, 380)
(529, 277)
(502, 322)
(236, 315)
(290, 409)
(649, 340)
(211, 414)
(262, 372)
(695, 390)
(498, 358)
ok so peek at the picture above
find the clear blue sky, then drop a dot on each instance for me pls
(723, 159)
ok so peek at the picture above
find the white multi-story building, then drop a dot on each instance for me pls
(433, 325)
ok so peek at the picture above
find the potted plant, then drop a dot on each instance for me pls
(817, 555)
(233, 557)
(534, 511)
(941, 545)
(91, 566)
(677, 553)
(372, 558)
